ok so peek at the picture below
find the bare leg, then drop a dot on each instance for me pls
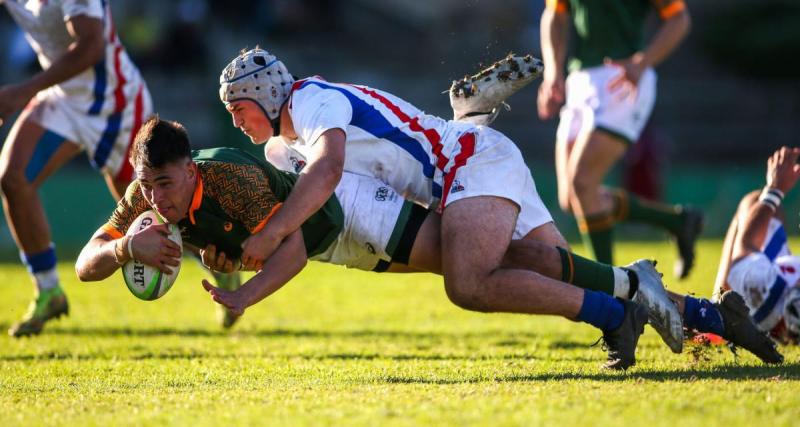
(30, 155)
(21, 202)
(592, 157)
(472, 257)
(563, 152)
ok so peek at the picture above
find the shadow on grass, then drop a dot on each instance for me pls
(492, 337)
(786, 372)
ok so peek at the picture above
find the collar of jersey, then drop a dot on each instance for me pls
(197, 198)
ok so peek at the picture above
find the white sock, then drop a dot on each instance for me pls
(622, 283)
(46, 280)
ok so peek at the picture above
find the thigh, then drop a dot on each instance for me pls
(426, 253)
(533, 213)
(476, 233)
(547, 233)
(32, 151)
(594, 154)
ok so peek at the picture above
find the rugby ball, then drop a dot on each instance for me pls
(144, 281)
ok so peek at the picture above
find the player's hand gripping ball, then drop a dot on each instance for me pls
(144, 281)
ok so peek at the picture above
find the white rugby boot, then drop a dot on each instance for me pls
(664, 316)
(476, 99)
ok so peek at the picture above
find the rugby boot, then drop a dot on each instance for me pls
(686, 238)
(229, 282)
(621, 342)
(49, 304)
(476, 99)
(741, 331)
(664, 316)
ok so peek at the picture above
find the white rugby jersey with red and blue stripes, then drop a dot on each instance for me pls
(103, 90)
(387, 137)
(769, 313)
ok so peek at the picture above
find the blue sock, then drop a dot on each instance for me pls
(702, 316)
(601, 310)
(42, 266)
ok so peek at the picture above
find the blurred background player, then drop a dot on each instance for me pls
(756, 261)
(607, 99)
(89, 96)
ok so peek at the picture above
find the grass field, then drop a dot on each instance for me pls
(340, 347)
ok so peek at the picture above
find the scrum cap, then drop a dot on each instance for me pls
(258, 76)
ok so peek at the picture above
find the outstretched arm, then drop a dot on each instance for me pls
(86, 50)
(782, 174)
(103, 254)
(314, 187)
(287, 261)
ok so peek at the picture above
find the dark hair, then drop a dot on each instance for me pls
(158, 143)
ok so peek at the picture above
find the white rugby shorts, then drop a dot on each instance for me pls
(104, 137)
(591, 105)
(375, 217)
(490, 164)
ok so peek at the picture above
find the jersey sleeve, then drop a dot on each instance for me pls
(128, 209)
(560, 6)
(243, 192)
(72, 8)
(316, 109)
(668, 8)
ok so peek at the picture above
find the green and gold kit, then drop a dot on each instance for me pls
(609, 28)
(235, 195)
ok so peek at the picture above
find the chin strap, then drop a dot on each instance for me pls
(276, 126)
(276, 122)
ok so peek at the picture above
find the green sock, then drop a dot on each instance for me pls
(596, 231)
(585, 273)
(635, 209)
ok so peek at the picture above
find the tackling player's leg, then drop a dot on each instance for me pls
(30, 155)
(474, 280)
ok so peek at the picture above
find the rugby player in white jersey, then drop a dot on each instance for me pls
(396, 130)
(756, 261)
(89, 96)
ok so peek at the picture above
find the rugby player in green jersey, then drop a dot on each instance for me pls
(603, 105)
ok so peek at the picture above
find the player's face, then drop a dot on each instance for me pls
(250, 119)
(169, 189)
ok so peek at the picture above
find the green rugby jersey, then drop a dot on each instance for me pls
(235, 195)
(609, 28)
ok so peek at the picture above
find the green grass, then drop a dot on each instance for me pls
(340, 347)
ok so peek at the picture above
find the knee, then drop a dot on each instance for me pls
(582, 184)
(13, 182)
(466, 294)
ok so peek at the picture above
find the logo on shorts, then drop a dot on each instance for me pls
(297, 164)
(456, 187)
(382, 194)
(370, 248)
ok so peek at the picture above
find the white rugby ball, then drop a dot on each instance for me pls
(144, 281)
